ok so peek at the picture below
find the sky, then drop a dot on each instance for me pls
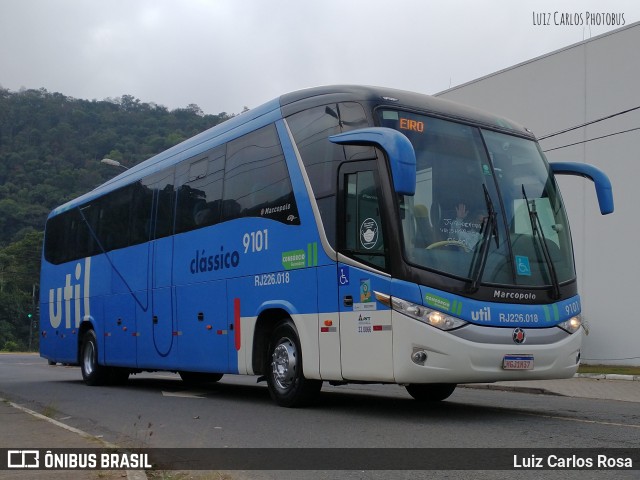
(224, 55)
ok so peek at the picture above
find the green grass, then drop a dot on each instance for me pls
(191, 475)
(50, 411)
(617, 369)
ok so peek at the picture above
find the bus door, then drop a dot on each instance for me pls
(157, 331)
(365, 324)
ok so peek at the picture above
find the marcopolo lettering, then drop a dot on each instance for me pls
(202, 262)
(514, 295)
(279, 208)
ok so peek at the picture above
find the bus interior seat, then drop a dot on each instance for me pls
(424, 229)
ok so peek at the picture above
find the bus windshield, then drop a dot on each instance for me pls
(485, 208)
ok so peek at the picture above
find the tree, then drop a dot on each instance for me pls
(50, 151)
(19, 276)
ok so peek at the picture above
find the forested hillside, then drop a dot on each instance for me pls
(50, 151)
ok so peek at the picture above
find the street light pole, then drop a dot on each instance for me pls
(30, 315)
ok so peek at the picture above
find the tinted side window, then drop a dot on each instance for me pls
(364, 238)
(311, 129)
(113, 218)
(256, 179)
(162, 186)
(200, 191)
(119, 219)
(67, 238)
(140, 221)
(352, 117)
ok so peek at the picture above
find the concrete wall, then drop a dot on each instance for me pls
(580, 83)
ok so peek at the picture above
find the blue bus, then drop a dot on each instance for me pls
(343, 234)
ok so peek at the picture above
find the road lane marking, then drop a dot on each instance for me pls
(185, 394)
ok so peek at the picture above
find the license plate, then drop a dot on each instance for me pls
(517, 362)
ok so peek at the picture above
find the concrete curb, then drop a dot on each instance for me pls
(586, 385)
(608, 376)
(510, 388)
(131, 474)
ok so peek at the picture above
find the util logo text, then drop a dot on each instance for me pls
(75, 294)
(482, 315)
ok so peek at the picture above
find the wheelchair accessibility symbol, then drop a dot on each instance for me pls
(522, 265)
(343, 276)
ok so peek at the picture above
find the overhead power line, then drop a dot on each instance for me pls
(592, 139)
(543, 137)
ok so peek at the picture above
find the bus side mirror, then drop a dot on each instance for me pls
(402, 157)
(599, 178)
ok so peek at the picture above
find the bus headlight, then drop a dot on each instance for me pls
(572, 325)
(426, 315)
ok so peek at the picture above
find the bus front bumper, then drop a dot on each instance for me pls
(425, 354)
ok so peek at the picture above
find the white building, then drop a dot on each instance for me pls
(566, 88)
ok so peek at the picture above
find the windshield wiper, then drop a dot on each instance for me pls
(489, 228)
(536, 228)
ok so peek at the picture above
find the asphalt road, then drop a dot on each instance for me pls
(158, 410)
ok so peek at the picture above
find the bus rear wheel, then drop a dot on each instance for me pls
(430, 392)
(92, 372)
(287, 385)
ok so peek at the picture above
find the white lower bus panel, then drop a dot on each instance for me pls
(452, 359)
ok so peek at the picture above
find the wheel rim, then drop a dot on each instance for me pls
(284, 364)
(88, 358)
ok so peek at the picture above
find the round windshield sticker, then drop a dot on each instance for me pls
(369, 233)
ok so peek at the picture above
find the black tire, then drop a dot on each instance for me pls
(197, 378)
(93, 373)
(430, 392)
(287, 385)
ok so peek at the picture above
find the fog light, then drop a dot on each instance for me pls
(419, 357)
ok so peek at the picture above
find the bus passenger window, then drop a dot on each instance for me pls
(200, 191)
(140, 227)
(311, 130)
(256, 179)
(162, 185)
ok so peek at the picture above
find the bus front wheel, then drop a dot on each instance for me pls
(287, 385)
(92, 373)
(430, 392)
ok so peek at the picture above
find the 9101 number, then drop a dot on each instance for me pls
(573, 308)
(256, 241)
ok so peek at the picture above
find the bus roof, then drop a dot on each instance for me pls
(393, 98)
(284, 106)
